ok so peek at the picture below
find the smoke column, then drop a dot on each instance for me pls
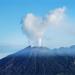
(35, 26)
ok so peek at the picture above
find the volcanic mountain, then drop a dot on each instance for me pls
(39, 61)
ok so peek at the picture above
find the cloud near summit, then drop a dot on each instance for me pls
(54, 17)
(38, 24)
(35, 26)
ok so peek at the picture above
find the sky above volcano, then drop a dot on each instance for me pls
(13, 11)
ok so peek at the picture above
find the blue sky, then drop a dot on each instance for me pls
(12, 12)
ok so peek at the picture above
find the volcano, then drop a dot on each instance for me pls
(39, 61)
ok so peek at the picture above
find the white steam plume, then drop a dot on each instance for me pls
(35, 26)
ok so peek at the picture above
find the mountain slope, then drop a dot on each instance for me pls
(39, 61)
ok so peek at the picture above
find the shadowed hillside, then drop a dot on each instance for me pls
(39, 61)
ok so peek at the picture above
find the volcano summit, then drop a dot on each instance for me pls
(39, 61)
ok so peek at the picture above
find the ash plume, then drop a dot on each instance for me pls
(35, 26)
